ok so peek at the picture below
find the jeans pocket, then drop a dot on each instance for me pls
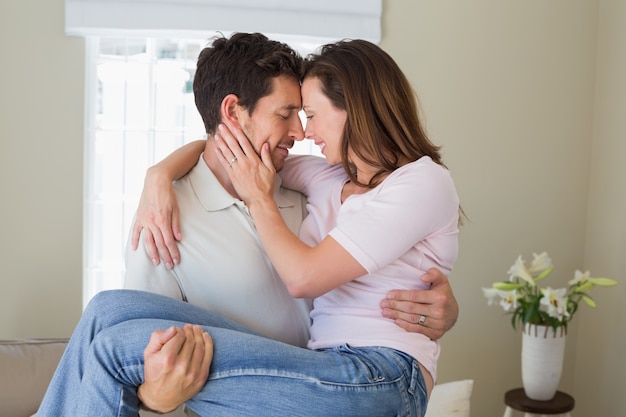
(373, 364)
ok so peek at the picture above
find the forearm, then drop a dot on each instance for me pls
(286, 251)
(143, 406)
(178, 163)
(306, 271)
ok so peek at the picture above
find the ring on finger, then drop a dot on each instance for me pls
(422, 320)
(232, 161)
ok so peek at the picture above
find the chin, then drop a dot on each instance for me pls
(278, 164)
(333, 161)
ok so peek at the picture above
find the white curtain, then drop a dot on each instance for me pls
(330, 19)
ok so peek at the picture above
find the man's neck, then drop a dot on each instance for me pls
(210, 158)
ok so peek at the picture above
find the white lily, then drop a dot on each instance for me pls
(539, 264)
(555, 302)
(518, 270)
(522, 296)
(508, 300)
(490, 294)
(579, 277)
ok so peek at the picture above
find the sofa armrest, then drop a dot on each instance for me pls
(27, 368)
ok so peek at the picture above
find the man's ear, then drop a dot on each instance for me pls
(230, 111)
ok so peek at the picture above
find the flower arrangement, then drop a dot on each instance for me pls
(521, 297)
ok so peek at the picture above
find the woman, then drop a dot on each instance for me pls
(383, 209)
(361, 112)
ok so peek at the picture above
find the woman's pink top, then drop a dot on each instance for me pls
(396, 231)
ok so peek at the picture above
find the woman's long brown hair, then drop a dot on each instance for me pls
(382, 127)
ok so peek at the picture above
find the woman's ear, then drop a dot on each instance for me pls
(229, 110)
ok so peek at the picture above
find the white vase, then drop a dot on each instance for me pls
(543, 349)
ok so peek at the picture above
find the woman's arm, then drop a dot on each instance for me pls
(306, 271)
(157, 213)
(294, 177)
(421, 202)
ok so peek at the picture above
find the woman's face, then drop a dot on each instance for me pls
(325, 122)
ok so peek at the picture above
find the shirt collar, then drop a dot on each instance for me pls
(214, 197)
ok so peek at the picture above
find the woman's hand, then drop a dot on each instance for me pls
(252, 177)
(158, 217)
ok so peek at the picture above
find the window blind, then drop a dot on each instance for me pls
(328, 19)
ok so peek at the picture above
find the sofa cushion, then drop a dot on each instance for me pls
(450, 399)
(27, 367)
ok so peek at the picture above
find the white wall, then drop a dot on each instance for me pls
(526, 99)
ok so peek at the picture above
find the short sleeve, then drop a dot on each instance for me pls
(416, 205)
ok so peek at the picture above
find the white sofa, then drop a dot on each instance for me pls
(26, 367)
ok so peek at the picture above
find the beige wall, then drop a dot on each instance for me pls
(526, 98)
(41, 170)
(600, 367)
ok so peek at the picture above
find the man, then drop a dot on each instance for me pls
(251, 83)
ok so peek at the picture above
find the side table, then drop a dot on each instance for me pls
(516, 399)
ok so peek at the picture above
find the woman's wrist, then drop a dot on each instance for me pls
(156, 175)
(261, 206)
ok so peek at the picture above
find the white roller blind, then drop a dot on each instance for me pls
(332, 19)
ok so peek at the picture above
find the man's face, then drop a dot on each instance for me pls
(275, 120)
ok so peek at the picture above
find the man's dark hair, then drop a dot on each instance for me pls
(244, 65)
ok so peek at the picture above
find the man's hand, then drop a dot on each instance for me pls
(429, 312)
(158, 217)
(176, 367)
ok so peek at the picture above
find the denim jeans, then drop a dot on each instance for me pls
(250, 375)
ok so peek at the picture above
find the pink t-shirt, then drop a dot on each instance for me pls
(396, 231)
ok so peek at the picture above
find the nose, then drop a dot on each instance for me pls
(296, 132)
(308, 131)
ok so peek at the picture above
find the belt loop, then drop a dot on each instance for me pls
(415, 374)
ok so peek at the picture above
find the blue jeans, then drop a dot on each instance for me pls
(250, 375)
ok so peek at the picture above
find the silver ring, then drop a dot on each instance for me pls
(422, 320)
(232, 161)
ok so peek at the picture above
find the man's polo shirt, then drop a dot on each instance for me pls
(223, 266)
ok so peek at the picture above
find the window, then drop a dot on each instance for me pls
(139, 108)
(139, 105)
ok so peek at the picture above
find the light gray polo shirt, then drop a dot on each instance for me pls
(223, 266)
